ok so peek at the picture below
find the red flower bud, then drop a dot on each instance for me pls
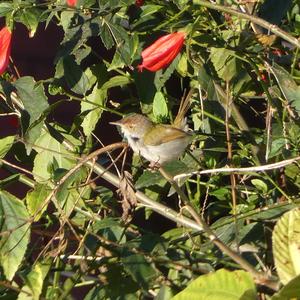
(139, 2)
(5, 46)
(72, 2)
(162, 52)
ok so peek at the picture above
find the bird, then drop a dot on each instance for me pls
(157, 143)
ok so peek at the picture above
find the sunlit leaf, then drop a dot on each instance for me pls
(50, 149)
(35, 201)
(289, 291)
(223, 284)
(34, 281)
(286, 245)
(160, 107)
(5, 145)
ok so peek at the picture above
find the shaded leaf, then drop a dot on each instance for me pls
(30, 17)
(148, 10)
(75, 78)
(35, 103)
(149, 178)
(288, 86)
(5, 8)
(224, 62)
(139, 268)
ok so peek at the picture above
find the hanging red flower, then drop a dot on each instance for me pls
(162, 51)
(72, 2)
(5, 47)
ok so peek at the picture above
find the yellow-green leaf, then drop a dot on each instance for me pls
(223, 284)
(286, 245)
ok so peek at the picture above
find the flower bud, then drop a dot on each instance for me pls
(5, 47)
(139, 2)
(162, 52)
(72, 2)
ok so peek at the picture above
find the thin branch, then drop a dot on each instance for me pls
(262, 168)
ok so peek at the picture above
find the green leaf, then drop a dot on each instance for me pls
(35, 103)
(148, 10)
(260, 185)
(15, 224)
(5, 145)
(286, 245)
(224, 62)
(78, 29)
(126, 53)
(5, 8)
(223, 284)
(118, 80)
(30, 17)
(35, 201)
(50, 149)
(289, 291)
(92, 107)
(148, 178)
(160, 107)
(75, 78)
(113, 34)
(34, 281)
(140, 269)
(182, 67)
(98, 96)
(288, 86)
(162, 76)
(32, 95)
(69, 194)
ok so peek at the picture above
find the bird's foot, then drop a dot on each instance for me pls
(154, 166)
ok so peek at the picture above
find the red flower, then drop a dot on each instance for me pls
(5, 46)
(72, 2)
(162, 52)
(139, 2)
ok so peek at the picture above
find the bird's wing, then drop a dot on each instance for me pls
(161, 134)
